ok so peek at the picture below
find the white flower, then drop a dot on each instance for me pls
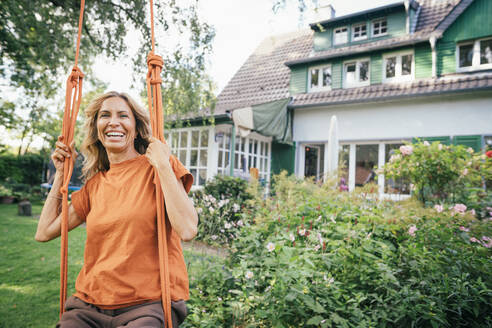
(438, 208)
(221, 203)
(316, 248)
(211, 209)
(319, 218)
(219, 298)
(236, 207)
(249, 275)
(426, 143)
(331, 280)
(227, 225)
(291, 237)
(214, 237)
(470, 150)
(270, 246)
(332, 218)
(302, 232)
(439, 146)
(465, 172)
(406, 150)
(240, 223)
(411, 230)
(199, 210)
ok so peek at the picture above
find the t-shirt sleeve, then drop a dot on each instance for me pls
(181, 173)
(81, 203)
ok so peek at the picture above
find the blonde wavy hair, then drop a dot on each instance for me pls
(95, 156)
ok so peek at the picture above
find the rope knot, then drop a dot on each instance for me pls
(76, 75)
(154, 60)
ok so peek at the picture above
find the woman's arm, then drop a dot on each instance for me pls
(180, 209)
(49, 225)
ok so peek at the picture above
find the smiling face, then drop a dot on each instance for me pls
(116, 126)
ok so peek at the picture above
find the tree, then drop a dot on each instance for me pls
(37, 40)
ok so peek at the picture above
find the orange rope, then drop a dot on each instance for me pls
(73, 97)
(154, 97)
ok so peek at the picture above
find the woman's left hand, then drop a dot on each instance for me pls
(158, 153)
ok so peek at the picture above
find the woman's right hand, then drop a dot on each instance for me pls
(61, 152)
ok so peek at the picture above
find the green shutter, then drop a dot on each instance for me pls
(475, 142)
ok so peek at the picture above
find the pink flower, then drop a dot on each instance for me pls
(406, 150)
(426, 143)
(487, 242)
(411, 230)
(439, 208)
(270, 247)
(302, 232)
(470, 150)
(439, 146)
(465, 172)
(464, 229)
(474, 240)
(459, 208)
(472, 212)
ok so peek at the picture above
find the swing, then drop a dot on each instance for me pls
(73, 97)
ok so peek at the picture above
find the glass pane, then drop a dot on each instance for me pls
(466, 55)
(406, 65)
(203, 157)
(314, 78)
(193, 173)
(221, 157)
(343, 164)
(174, 140)
(250, 161)
(227, 142)
(236, 161)
(383, 27)
(486, 52)
(366, 160)
(326, 76)
(398, 186)
(194, 157)
(202, 177)
(194, 138)
(390, 67)
(184, 139)
(350, 75)
(182, 156)
(363, 71)
(237, 142)
(204, 139)
(243, 142)
(226, 162)
(363, 31)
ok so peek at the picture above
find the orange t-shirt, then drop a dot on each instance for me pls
(121, 258)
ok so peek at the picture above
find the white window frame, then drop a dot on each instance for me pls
(169, 135)
(379, 20)
(398, 69)
(364, 37)
(347, 85)
(320, 69)
(476, 56)
(262, 155)
(335, 33)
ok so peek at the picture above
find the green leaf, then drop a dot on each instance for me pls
(316, 320)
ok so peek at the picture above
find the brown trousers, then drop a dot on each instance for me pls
(79, 314)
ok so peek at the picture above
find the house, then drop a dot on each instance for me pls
(411, 69)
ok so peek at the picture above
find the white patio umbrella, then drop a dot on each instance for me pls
(332, 152)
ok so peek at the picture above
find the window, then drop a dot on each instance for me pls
(252, 151)
(474, 55)
(398, 67)
(400, 185)
(319, 78)
(224, 143)
(356, 73)
(340, 35)
(191, 148)
(379, 27)
(359, 32)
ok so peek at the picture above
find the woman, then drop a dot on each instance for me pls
(119, 283)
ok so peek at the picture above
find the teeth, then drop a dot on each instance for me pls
(114, 134)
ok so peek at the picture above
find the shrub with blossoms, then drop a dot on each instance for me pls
(439, 173)
(220, 206)
(317, 257)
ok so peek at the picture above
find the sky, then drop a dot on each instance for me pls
(240, 27)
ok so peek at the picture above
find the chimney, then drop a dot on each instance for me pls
(323, 11)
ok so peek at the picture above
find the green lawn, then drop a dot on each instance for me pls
(29, 270)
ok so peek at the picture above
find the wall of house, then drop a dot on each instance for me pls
(475, 22)
(298, 80)
(423, 61)
(449, 115)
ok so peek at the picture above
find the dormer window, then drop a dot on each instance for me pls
(356, 73)
(474, 55)
(340, 35)
(359, 32)
(319, 78)
(379, 27)
(398, 67)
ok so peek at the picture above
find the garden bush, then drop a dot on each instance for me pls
(218, 205)
(444, 175)
(320, 258)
